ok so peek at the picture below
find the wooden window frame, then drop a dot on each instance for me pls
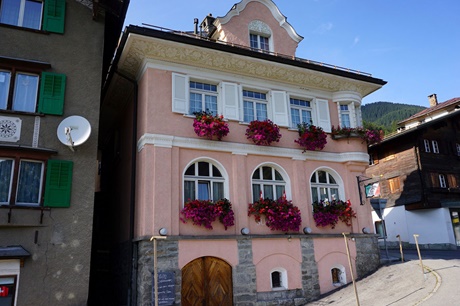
(394, 185)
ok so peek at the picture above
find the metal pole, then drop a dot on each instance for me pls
(351, 268)
(385, 233)
(419, 256)
(155, 266)
(400, 248)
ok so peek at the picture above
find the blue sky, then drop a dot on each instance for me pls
(414, 45)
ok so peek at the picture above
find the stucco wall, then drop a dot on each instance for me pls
(57, 273)
(236, 30)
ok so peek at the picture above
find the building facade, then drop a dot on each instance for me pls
(418, 172)
(241, 66)
(51, 63)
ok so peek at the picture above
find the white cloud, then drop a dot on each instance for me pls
(325, 27)
(356, 41)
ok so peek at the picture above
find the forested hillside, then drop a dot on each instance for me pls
(385, 115)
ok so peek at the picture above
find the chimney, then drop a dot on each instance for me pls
(433, 100)
(208, 26)
(195, 22)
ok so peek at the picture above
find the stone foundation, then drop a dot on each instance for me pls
(244, 274)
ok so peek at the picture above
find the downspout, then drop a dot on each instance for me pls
(133, 247)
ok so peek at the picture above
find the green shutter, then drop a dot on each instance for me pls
(54, 16)
(58, 183)
(52, 92)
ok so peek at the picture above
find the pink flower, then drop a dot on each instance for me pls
(207, 125)
(263, 132)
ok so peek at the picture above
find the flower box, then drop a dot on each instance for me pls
(207, 125)
(327, 213)
(311, 137)
(279, 214)
(371, 136)
(205, 212)
(263, 132)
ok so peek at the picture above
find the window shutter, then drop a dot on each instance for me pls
(230, 100)
(52, 92)
(179, 93)
(54, 16)
(322, 109)
(280, 112)
(58, 183)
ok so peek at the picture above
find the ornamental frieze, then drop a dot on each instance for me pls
(139, 49)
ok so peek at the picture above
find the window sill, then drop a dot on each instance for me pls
(12, 112)
(24, 28)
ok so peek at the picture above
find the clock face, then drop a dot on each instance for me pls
(7, 128)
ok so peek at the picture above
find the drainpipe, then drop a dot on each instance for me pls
(133, 247)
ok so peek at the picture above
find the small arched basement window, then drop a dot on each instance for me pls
(278, 279)
(338, 276)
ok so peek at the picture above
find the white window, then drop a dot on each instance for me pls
(259, 42)
(9, 281)
(25, 91)
(28, 189)
(203, 97)
(442, 181)
(30, 181)
(267, 182)
(6, 180)
(435, 146)
(345, 116)
(278, 279)
(255, 106)
(426, 144)
(324, 186)
(203, 181)
(22, 13)
(301, 111)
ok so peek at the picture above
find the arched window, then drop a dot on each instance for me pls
(203, 181)
(278, 279)
(268, 183)
(338, 276)
(324, 186)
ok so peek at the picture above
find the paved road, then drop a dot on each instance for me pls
(399, 283)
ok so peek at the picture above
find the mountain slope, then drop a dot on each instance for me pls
(385, 115)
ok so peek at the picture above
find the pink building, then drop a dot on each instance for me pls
(241, 66)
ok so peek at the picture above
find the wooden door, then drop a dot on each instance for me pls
(207, 281)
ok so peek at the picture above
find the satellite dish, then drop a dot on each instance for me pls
(73, 131)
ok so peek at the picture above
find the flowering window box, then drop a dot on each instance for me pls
(371, 136)
(328, 213)
(207, 125)
(263, 132)
(311, 137)
(279, 214)
(205, 212)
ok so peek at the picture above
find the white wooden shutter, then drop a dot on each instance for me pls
(324, 118)
(179, 93)
(230, 100)
(280, 110)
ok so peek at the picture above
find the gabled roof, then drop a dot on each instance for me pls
(238, 7)
(434, 109)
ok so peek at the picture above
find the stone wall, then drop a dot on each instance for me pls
(167, 256)
(367, 255)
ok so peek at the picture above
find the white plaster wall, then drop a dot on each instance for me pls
(432, 225)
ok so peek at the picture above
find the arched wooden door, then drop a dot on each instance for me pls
(207, 281)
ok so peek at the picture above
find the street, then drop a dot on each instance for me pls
(400, 283)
